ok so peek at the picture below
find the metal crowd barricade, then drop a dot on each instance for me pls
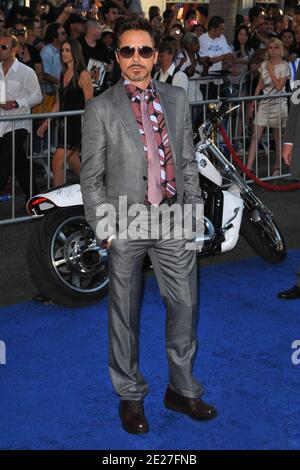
(8, 210)
(218, 84)
(241, 141)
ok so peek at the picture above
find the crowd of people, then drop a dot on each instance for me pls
(70, 47)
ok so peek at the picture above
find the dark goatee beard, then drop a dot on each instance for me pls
(137, 78)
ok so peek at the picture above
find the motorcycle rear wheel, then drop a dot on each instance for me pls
(264, 237)
(56, 263)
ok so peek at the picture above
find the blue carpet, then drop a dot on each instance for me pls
(55, 389)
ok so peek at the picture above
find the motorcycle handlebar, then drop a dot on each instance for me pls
(215, 118)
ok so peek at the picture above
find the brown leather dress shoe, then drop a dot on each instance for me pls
(195, 408)
(290, 294)
(133, 417)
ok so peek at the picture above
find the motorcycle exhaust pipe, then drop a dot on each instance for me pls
(209, 232)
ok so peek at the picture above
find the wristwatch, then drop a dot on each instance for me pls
(16, 105)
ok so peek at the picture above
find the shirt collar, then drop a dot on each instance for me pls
(170, 70)
(15, 65)
(55, 49)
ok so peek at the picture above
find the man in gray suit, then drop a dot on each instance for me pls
(291, 156)
(137, 142)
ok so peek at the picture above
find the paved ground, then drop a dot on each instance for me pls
(15, 282)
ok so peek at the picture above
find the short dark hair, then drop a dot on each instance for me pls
(30, 23)
(197, 26)
(25, 12)
(51, 32)
(106, 7)
(203, 11)
(189, 13)
(215, 22)
(133, 24)
(254, 12)
(171, 39)
(75, 18)
(153, 12)
(165, 46)
(168, 14)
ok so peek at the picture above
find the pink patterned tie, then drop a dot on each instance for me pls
(154, 184)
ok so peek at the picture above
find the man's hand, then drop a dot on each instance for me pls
(229, 57)
(8, 105)
(42, 129)
(106, 244)
(287, 153)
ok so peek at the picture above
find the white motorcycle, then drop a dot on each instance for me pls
(68, 267)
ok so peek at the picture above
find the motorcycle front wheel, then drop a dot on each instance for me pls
(264, 236)
(64, 261)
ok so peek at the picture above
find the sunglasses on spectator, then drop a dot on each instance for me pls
(4, 47)
(1, 20)
(128, 51)
(19, 32)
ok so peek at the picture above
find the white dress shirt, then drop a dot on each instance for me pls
(22, 86)
(179, 79)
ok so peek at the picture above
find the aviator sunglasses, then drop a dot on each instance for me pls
(128, 51)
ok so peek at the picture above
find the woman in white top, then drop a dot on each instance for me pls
(274, 73)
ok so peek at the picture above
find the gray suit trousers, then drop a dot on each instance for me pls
(176, 272)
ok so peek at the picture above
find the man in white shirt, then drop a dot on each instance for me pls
(214, 45)
(20, 91)
(168, 72)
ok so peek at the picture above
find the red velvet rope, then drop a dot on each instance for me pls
(263, 184)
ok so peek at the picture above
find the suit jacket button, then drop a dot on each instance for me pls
(145, 178)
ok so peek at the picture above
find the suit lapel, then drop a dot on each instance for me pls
(168, 104)
(126, 115)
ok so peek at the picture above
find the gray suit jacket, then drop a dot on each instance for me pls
(113, 158)
(292, 131)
